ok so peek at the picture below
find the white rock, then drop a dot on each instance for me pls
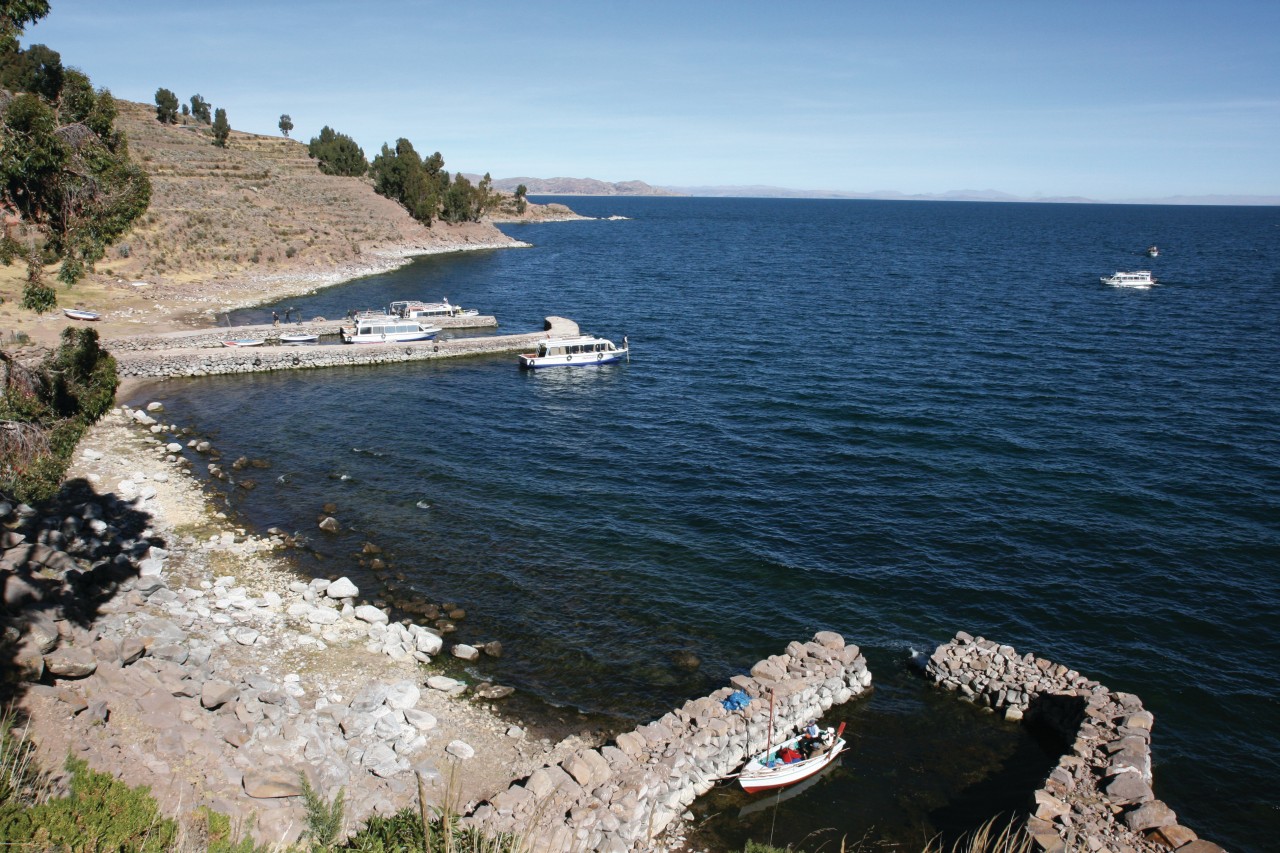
(429, 644)
(369, 613)
(465, 652)
(342, 588)
(421, 720)
(460, 749)
(245, 636)
(322, 616)
(443, 683)
(173, 447)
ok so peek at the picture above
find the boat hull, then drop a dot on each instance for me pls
(243, 342)
(74, 314)
(533, 362)
(756, 776)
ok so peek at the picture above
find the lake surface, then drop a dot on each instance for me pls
(889, 419)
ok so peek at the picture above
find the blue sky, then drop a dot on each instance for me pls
(1106, 100)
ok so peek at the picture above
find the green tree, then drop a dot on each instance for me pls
(200, 109)
(221, 130)
(77, 100)
(459, 201)
(16, 14)
(166, 106)
(521, 203)
(33, 159)
(38, 69)
(286, 124)
(337, 153)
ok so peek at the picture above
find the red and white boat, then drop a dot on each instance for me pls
(767, 772)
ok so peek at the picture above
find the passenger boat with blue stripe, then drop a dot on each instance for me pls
(574, 352)
(383, 328)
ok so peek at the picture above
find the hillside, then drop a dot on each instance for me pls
(235, 226)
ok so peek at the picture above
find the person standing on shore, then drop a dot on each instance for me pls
(275, 318)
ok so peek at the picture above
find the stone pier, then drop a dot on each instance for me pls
(621, 796)
(202, 353)
(1099, 796)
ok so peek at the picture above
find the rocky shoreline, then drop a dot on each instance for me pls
(162, 644)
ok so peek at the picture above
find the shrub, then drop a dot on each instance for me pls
(101, 813)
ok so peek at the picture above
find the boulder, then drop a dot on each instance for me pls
(465, 652)
(460, 749)
(342, 588)
(329, 524)
(403, 695)
(369, 613)
(272, 784)
(71, 662)
(216, 693)
(1149, 816)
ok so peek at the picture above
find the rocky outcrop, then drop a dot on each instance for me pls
(1099, 797)
(624, 794)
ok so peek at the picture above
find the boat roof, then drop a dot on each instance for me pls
(578, 339)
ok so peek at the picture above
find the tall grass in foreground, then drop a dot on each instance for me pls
(985, 839)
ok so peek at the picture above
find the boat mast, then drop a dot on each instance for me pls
(769, 734)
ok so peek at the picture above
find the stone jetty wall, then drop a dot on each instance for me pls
(1099, 796)
(621, 796)
(267, 332)
(188, 356)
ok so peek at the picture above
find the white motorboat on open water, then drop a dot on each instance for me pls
(576, 351)
(371, 328)
(1138, 278)
(413, 309)
(770, 770)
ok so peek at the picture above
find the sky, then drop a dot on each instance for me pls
(1107, 100)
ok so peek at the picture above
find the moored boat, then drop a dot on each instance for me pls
(768, 770)
(298, 338)
(80, 314)
(373, 328)
(575, 351)
(1138, 278)
(411, 309)
(243, 342)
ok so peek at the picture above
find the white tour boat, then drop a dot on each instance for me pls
(412, 309)
(768, 771)
(569, 352)
(386, 329)
(1138, 278)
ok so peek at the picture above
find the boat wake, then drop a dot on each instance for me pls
(360, 451)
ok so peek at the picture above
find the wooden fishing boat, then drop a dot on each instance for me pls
(80, 314)
(299, 338)
(767, 772)
(243, 342)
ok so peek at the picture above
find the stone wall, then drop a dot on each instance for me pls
(267, 332)
(136, 357)
(1099, 796)
(621, 796)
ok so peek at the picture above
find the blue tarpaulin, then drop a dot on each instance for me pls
(737, 701)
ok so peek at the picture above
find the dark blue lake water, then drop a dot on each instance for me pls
(888, 419)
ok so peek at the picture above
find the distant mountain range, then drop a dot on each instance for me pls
(591, 186)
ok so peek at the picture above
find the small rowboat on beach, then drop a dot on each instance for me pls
(243, 342)
(80, 314)
(767, 771)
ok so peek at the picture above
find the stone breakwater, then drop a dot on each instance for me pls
(623, 795)
(1099, 796)
(267, 332)
(211, 358)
